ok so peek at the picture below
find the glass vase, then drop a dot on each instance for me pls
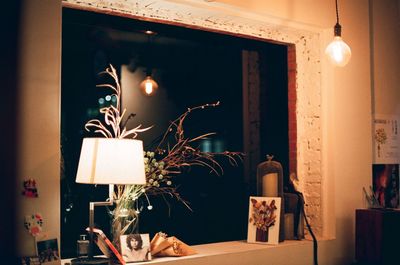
(123, 221)
(125, 216)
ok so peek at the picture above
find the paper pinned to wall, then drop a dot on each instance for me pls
(386, 139)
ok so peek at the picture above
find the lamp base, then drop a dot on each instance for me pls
(90, 261)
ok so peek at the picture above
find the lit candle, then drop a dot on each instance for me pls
(270, 185)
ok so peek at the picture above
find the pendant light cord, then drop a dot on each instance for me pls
(315, 242)
(301, 204)
(149, 68)
(337, 12)
(338, 28)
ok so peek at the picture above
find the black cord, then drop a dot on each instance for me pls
(315, 242)
(337, 13)
(338, 28)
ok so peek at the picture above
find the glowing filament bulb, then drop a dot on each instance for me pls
(148, 86)
(339, 53)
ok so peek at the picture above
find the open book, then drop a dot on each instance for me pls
(105, 245)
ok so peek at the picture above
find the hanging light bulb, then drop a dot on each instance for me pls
(339, 53)
(148, 86)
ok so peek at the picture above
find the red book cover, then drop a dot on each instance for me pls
(105, 245)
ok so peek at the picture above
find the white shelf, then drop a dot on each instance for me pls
(238, 252)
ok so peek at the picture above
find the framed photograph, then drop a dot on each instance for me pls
(48, 252)
(386, 184)
(263, 223)
(135, 247)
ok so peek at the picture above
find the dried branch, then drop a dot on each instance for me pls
(112, 116)
(162, 165)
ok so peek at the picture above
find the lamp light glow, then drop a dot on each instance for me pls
(148, 86)
(111, 161)
(338, 52)
(108, 161)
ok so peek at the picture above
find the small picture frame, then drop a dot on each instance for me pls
(135, 247)
(48, 252)
(264, 221)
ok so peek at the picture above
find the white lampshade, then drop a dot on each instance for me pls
(111, 161)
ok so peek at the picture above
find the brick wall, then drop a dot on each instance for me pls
(292, 93)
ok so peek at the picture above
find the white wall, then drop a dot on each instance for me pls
(348, 111)
(347, 115)
(349, 159)
(39, 121)
(349, 126)
(385, 43)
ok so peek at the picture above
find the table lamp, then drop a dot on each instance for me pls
(108, 161)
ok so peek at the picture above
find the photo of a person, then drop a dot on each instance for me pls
(135, 247)
(48, 251)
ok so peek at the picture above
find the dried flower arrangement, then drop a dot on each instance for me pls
(161, 165)
(262, 217)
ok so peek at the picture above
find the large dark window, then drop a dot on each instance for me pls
(192, 68)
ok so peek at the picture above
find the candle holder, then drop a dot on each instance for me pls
(270, 184)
